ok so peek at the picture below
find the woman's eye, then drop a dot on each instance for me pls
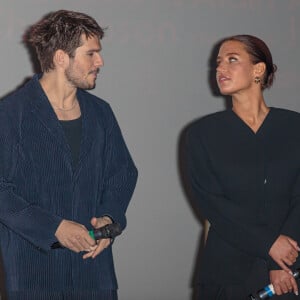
(232, 59)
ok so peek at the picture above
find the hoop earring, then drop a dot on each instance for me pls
(257, 80)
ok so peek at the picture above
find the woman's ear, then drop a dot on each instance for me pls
(259, 69)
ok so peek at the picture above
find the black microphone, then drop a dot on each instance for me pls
(109, 231)
(268, 291)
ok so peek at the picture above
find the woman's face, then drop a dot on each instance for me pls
(235, 71)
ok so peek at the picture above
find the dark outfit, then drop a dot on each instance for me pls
(43, 180)
(248, 186)
(72, 129)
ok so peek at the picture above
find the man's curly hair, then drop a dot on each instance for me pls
(63, 30)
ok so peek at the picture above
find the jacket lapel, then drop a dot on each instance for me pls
(89, 125)
(43, 111)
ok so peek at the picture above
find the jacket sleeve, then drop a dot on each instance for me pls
(291, 226)
(254, 240)
(120, 174)
(27, 220)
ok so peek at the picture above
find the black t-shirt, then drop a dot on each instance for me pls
(72, 129)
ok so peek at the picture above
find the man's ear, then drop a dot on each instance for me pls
(60, 59)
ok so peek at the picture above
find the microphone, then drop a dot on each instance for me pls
(268, 291)
(109, 231)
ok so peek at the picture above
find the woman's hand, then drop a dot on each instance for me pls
(283, 282)
(284, 252)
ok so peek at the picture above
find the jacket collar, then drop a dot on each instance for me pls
(43, 111)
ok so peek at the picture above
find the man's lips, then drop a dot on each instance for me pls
(94, 72)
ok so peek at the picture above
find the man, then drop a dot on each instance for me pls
(64, 169)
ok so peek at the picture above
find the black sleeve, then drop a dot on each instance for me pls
(254, 240)
(291, 226)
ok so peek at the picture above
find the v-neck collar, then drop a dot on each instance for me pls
(261, 127)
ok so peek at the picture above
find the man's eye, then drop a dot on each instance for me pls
(232, 59)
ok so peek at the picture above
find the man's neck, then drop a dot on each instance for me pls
(58, 91)
(61, 95)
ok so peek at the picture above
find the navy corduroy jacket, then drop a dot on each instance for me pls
(39, 188)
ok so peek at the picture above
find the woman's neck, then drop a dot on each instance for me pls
(252, 111)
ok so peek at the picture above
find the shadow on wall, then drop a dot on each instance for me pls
(31, 52)
(36, 69)
(34, 62)
(196, 211)
(211, 77)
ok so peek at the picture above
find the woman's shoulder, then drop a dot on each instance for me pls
(211, 121)
(209, 126)
(285, 114)
(285, 111)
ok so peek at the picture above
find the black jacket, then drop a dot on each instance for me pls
(248, 186)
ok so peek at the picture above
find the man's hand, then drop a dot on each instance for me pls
(102, 243)
(283, 282)
(284, 252)
(74, 236)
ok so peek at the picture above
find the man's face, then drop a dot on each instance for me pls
(85, 65)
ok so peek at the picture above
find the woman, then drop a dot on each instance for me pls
(243, 166)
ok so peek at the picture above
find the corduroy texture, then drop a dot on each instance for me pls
(38, 295)
(39, 188)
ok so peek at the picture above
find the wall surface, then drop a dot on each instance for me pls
(156, 77)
